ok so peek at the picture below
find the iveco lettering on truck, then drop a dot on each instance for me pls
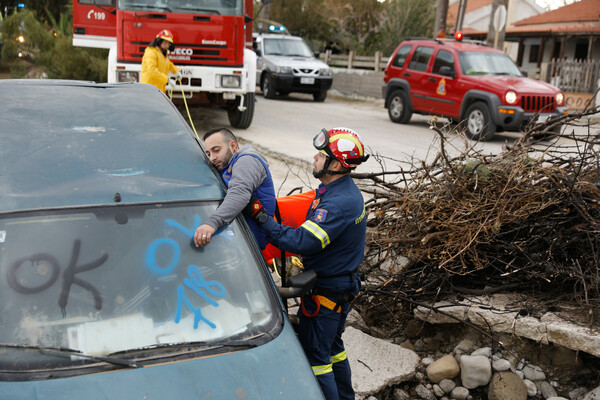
(213, 40)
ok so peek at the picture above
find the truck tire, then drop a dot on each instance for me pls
(398, 108)
(242, 120)
(267, 87)
(478, 123)
(320, 96)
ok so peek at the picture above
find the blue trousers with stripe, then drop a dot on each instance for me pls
(321, 339)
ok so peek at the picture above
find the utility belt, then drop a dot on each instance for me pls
(329, 299)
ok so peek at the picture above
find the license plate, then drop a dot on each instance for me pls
(307, 81)
(542, 118)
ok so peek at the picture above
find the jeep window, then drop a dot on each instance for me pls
(442, 59)
(420, 58)
(286, 47)
(112, 279)
(216, 7)
(401, 56)
(487, 63)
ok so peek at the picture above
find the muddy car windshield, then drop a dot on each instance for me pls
(216, 7)
(487, 63)
(112, 279)
(285, 47)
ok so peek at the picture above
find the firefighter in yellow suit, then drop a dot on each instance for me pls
(156, 65)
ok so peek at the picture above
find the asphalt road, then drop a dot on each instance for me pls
(283, 128)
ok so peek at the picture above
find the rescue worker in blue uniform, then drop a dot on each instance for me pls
(246, 174)
(331, 242)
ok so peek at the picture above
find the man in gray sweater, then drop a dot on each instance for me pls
(245, 173)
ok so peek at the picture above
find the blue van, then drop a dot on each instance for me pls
(103, 294)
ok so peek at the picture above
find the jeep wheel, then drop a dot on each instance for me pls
(320, 96)
(398, 108)
(479, 124)
(268, 88)
(239, 119)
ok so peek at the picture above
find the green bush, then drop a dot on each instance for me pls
(48, 50)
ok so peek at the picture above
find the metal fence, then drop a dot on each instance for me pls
(574, 75)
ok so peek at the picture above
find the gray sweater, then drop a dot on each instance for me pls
(246, 176)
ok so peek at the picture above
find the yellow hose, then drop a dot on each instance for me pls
(186, 106)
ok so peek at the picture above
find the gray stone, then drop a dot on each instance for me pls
(501, 365)
(547, 390)
(427, 361)
(375, 363)
(355, 320)
(438, 391)
(419, 345)
(507, 386)
(533, 373)
(447, 385)
(475, 371)
(593, 395)
(400, 394)
(459, 393)
(465, 346)
(520, 374)
(531, 387)
(444, 368)
(407, 345)
(484, 351)
(424, 393)
(577, 394)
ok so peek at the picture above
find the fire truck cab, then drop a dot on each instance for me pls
(213, 40)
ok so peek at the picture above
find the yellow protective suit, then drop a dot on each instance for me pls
(156, 67)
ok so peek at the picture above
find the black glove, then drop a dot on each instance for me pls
(254, 210)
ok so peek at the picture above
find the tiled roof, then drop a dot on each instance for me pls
(575, 28)
(579, 11)
(472, 5)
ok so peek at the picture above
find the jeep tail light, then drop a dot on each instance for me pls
(510, 97)
(458, 35)
(560, 98)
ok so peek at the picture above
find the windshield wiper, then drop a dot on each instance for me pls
(200, 345)
(65, 351)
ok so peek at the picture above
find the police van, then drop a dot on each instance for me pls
(286, 64)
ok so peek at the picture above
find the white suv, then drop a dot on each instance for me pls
(286, 64)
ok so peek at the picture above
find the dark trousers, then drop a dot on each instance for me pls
(321, 338)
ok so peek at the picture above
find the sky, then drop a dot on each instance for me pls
(552, 3)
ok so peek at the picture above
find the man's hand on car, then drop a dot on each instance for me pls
(203, 234)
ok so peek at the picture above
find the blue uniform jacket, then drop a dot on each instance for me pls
(332, 239)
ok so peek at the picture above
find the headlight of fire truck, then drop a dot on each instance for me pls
(283, 70)
(231, 81)
(127, 76)
(325, 72)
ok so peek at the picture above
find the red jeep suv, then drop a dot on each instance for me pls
(468, 82)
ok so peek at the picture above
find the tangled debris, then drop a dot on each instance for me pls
(526, 220)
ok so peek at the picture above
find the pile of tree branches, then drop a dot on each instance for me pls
(525, 220)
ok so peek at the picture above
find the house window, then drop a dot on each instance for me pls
(533, 53)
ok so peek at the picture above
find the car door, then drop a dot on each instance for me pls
(442, 95)
(416, 75)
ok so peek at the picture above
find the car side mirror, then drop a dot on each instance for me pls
(316, 54)
(524, 73)
(447, 71)
(299, 284)
(257, 51)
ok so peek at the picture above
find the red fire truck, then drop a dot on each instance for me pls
(213, 40)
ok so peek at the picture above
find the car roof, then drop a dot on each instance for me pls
(74, 143)
(278, 36)
(458, 45)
